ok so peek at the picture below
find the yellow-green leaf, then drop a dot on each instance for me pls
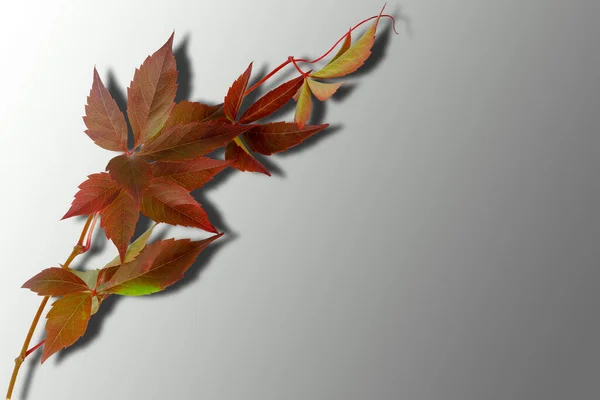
(345, 46)
(323, 91)
(304, 105)
(351, 59)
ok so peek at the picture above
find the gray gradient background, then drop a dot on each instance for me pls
(442, 244)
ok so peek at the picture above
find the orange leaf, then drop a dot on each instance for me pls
(67, 321)
(304, 105)
(105, 123)
(151, 93)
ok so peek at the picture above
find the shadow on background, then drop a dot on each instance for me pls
(184, 90)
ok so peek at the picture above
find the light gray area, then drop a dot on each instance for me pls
(442, 244)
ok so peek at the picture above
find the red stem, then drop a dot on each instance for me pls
(293, 60)
(88, 243)
(34, 348)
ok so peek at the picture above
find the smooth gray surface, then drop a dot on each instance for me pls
(441, 245)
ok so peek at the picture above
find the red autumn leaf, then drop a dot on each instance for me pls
(351, 59)
(56, 282)
(189, 111)
(106, 274)
(189, 141)
(168, 202)
(67, 321)
(243, 160)
(235, 95)
(276, 137)
(94, 194)
(304, 105)
(345, 46)
(105, 123)
(191, 174)
(160, 265)
(131, 173)
(118, 220)
(323, 91)
(272, 101)
(151, 93)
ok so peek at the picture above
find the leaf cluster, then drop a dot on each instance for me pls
(169, 158)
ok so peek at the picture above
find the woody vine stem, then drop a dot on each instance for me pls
(124, 189)
(79, 248)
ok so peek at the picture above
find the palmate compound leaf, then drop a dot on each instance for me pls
(119, 219)
(95, 193)
(151, 93)
(131, 173)
(351, 59)
(238, 153)
(56, 282)
(272, 101)
(192, 140)
(191, 174)
(160, 264)
(104, 120)
(276, 137)
(66, 322)
(235, 95)
(165, 201)
(304, 105)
